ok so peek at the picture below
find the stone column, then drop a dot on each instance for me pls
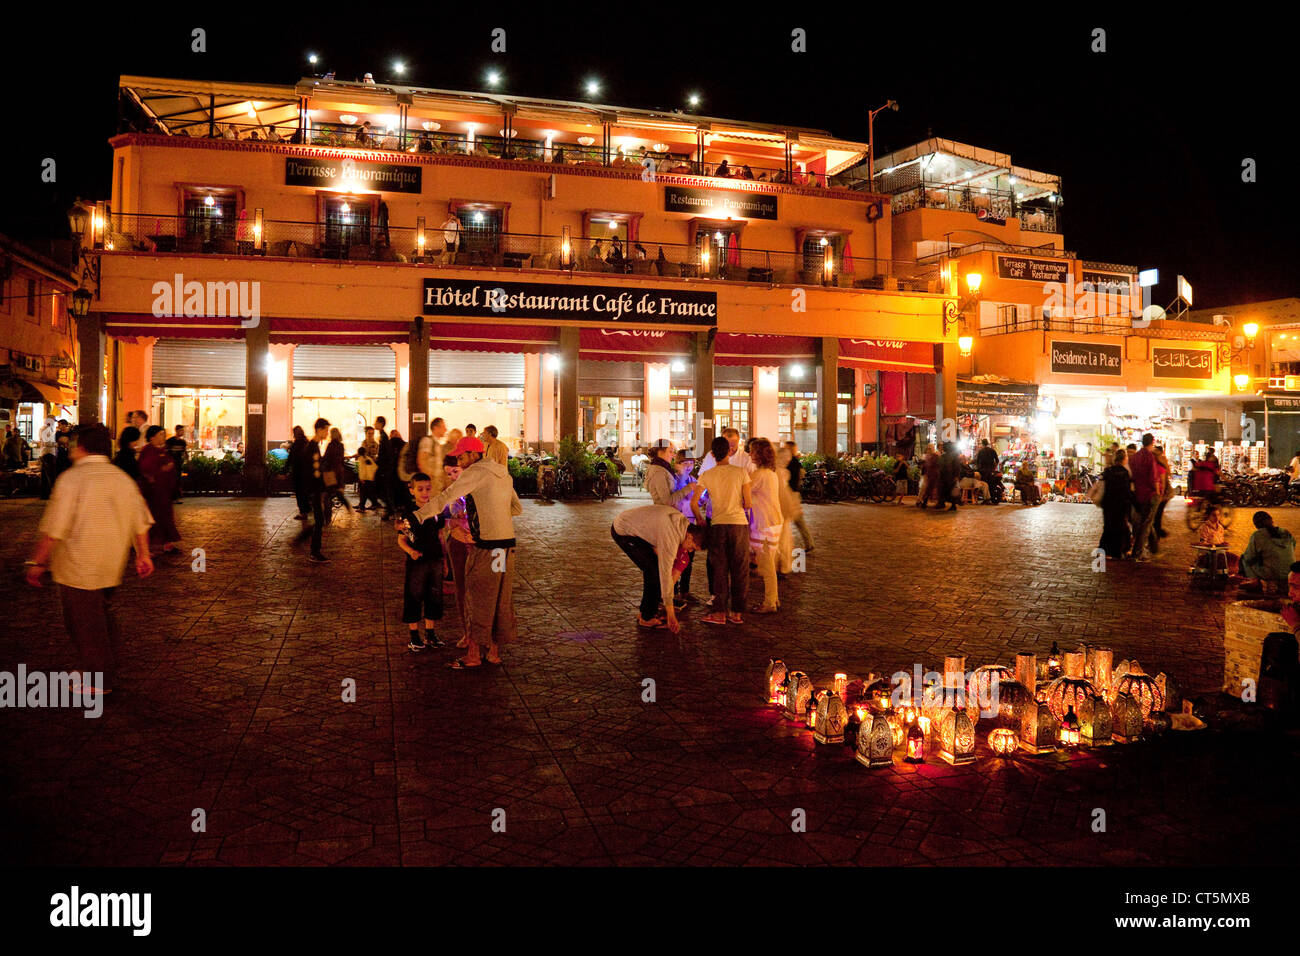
(279, 398)
(90, 367)
(828, 402)
(568, 382)
(766, 403)
(655, 408)
(704, 349)
(257, 342)
(418, 387)
(401, 388)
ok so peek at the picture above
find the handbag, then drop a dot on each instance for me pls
(1097, 491)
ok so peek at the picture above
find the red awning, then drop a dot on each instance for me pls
(632, 345)
(125, 325)
(746, 348)
(339, 332)
(887, 355)
(459, 337)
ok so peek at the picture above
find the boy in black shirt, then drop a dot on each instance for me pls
(900, 477)
(422, 600)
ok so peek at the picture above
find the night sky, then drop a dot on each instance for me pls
(1149, 136)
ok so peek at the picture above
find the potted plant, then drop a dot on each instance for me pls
(230, 470)
(524, 476)
(200, 473)
(277, 472)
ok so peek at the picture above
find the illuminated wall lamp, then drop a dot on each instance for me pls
(420, 238)
(1251, 329)
(1241, 380)
(964, 344)
(258, 219)
(973, 281)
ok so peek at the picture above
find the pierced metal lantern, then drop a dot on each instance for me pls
(1027, 670)
(1099, 667)
(875, 742)
(776, 671)
(1128, 719)
(1095, 722)
(1037, 728)
(899, 727)
(985, 687)
(1071, 689)
(1141, 685)
(1002, 742)
(1121, 669)
(915, 744)
(957, 737)
(840, 684)
(1171, 692)
(1070, 728)
(1013, 699)
(934, 703)
(831, 717)
(814, 704)
(797, 695)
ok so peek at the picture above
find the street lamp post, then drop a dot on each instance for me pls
(871, 140)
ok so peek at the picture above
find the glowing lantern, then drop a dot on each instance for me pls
(840, 684)
(1070, 729)
(1100, 669)
(1143, 687)
(1128, 718)
(898, 726)
(1054, 662)
(915, 744)
(1002, 742)
(875, 748)
(797, 695)
(1037, 728)
(985, 687)
(1070, 690)
(776, 671)
(814, 705)
(1095, 721)
(831, 715)
(957, 737)
(1013, 698)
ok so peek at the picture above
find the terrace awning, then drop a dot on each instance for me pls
(887, 355)
(745, 348)
(125, 325)
(627, 345)
(460, 337)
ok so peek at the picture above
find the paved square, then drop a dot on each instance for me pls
(230, 702)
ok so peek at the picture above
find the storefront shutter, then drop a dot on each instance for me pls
(480, 369)
(347, 363)
(611, 379)
(199, 363)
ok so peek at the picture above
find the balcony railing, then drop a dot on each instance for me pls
(369, 242)
(992, 205)
(498, 147)
(1060, 324)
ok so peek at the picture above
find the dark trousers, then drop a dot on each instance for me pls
(729, 564)
(422, 598)
(47, 476)
(1144, 532)
(316, 500)
(370, 493)
(384, 479)
(684, 582)
(304, 499)
(88, 616)
(642, 553)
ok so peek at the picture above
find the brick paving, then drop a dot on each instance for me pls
(230, 701)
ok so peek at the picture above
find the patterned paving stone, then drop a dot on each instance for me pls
(231, 702)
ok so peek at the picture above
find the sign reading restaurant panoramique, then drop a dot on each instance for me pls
(1182, 363)
(1034, 270)
(535, 300)
(1086, 358)
(730, 202)
(386, 177)
(992, 399)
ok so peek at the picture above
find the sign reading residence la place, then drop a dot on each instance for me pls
(1086, 358)
(728, 202)
(535, 300)
(1182, 363)
(348, 173)
(1034, 270)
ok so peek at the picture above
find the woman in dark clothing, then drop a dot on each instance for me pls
(333, 464)
(158, 479)
(1116, 503)
(298, 466)
(125, 457)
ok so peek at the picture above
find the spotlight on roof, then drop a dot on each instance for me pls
(493, 78)
(694, 99)
(399, 67)
(312, 58)
(592, 87)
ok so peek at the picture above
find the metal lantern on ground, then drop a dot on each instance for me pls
(1013, 699)
(797, 695)
(853, 725)
(1071, 689)
(957, 737)
(1070, 728)
(933, 704)
(1128, 719)
(1100, 668)
(875, 748)
(831, 716)
(985, 685)
(814, 705)
(1121, 669)
(776, 671)
(1142, 686)
(915, 743)
(1095, 722)
(1170, 691)
(1037, 728)
(898, 725)
(1002, 742)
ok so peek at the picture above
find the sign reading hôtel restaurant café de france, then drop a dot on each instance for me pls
(1086, 358)
(535, 300)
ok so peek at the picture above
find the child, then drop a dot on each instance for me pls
(900, 477)
(422, 599)
(367, 468)
(1212, 535)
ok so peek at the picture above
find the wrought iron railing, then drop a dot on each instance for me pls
(994, 206)
(1060, 324)
(368, 240)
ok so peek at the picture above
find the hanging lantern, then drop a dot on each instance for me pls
(875, 742)
(957, 737)
(1037, 728)
(1070, 729)
(985, 688)
(1127, 719)
(1054, 662)
(1141, 685)
(1071, 689)
(831, 715)
(1002, 742)
(776, 671)
(798, 695)
(1095, 721)
(814, 704)
(915, 744)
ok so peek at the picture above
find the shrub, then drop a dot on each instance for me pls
(230, 465)
(275, 465)
(201, 467)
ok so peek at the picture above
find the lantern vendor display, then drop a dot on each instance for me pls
(1100, 669)
(1095, 721)
(1070, 728)
(957, 737)
(776, 671)
(853, 724)
(1002, 741)
(1170, 691)
(899, 726)
(831, 715)
(798, 695)
(915, 744)
(814, 704)
(1037, 728)
(985, 687)
(1128, 719)
(875, 748)
(840, 684)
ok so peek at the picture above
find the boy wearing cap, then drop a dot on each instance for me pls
(419, 538)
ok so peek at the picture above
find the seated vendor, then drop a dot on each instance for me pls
(1269, 554)
(1212, 535)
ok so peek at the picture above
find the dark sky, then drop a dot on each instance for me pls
(1149, 136)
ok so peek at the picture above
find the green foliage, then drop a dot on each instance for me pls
(201, 467)
(276, 465)
(519, 469)
(585, 464)
(230, 465)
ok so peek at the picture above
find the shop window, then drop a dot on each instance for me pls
(213, 417)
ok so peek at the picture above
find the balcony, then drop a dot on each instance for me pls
(992, 206)
(314, 241)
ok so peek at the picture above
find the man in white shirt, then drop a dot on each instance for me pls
(737, 457)
(95, 515)
(728, 488)
(430, 453)
(1292, 470)
(451, 232)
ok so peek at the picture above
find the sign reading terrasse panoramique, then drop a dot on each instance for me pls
(1033, 270)
(535, 300)
(386, 177)
(730, 202)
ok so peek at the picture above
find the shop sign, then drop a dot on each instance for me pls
(974, 399)
(1033, 270)
(1275, 404)
(1182, 363)
(350, 174)
(535, 300)
(715, 202)
(1086, 358)
(1109, 283)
